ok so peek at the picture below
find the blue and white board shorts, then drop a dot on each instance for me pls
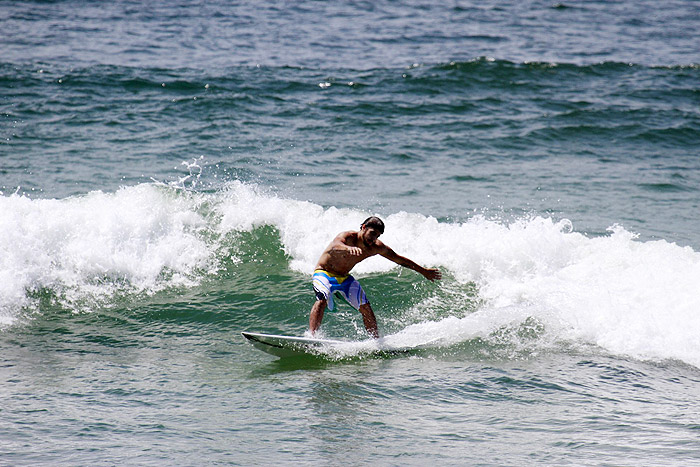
(326, 284)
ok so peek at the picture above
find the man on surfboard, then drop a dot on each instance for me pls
(332, 273)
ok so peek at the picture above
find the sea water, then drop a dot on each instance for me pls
(171, 171)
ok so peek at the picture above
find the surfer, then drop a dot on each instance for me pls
(332, 273)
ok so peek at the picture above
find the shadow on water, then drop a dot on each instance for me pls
(324, 362)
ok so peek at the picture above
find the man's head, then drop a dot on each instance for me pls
(371, 229)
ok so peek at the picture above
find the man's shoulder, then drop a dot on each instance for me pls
(346, 235)
(380, 247)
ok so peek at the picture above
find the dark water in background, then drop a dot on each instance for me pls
(170, 172)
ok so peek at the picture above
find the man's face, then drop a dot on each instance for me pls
(369, 235)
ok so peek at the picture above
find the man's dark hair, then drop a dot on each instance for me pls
(375, 223)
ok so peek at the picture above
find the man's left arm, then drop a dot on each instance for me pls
(431, 274)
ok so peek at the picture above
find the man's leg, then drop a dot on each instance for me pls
(316, 315)
(369, 320)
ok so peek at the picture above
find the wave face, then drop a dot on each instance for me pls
(532, 277)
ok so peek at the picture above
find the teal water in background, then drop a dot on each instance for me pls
(171, 171)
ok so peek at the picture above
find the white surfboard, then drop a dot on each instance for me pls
(289, 346)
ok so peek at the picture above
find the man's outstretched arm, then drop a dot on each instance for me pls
(431, 274)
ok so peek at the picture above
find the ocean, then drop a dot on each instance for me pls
(170, 172)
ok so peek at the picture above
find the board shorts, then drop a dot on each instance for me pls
(326, 284)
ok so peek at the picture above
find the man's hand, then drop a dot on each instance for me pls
(432, 274)
(354, 251)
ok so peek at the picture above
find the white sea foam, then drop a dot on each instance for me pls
(84, 247)
(626, 296)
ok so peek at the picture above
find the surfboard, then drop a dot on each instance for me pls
(290, 346)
